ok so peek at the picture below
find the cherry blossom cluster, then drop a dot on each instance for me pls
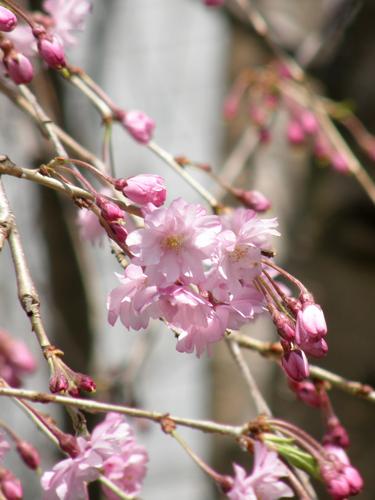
(111, 450)
(46, 34)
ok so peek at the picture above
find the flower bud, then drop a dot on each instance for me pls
(68, 443)
(119, 231)
(254, 200)
(139, 125)
(318, 348)
(51, 51)
(309, 122)
(339, 163)
(8, 21)
(311, 324)
(295, 365)
(306, 392)
(28, 454)
(336, 434)
(354, 479)
(145, 188)
(295, 133)
(10, 486)
(284, 326)
(109, 210)
(85, 383)
(58, 383)
(213, 3)
(19, 68)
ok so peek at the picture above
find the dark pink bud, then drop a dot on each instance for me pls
(11, 486)
(311, 323)
(339, 163)
(284, 326)
(58, 383)
(146, 188)
(295, 133)
(264, 135)
(85, 383)
(109, 210)
(306, 392)
(19, 68)
(318, 349)
(295, 365)
(309, 122)
(119, 231)
(69, 444)
(354, 479)
(8, 21)
(139, 125)
(52, 52)
(28, 454)
(338, 487)
(253, 199)
(213, 3)
(336, 434)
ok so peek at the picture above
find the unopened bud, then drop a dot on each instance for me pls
(311, 323)
(146, 188)
(309, 122)
(10, 485)
(19, 68)
(85, 383)
(339, 163)
(139, 125)
(295, 365)
(52, 52)
(58, 383)
(295, 133)
(28, 454)
(307, 392)
(119, 232)
(8, 21)
(253, 199)
(69, 444)
(109, 210)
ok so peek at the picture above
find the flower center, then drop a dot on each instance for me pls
(173, 242)
(238, 253)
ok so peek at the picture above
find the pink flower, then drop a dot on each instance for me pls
(145, 188)
(182, 307)
(264, 481)
(139, 125)
(341, 478)
(311, 323)
(111, 442)
(241, 244)
(68, 16)
(309, 122)
(174, 242)
(90, 227)
(134, 300)
(295, 365)
(8, 21)
(295, 133)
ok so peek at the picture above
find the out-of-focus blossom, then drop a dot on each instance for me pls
(90, 227)
(295, 133)
(139, 125)
(15, 359)
(10, 485)
(68, 17)
(8, 21)
(264, 481)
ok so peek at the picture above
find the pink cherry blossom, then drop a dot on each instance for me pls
(111, 442)
(19, 68)
(341, 478)
(295, 365)
(311, 324)
(134, 301)
(15, 359)
(8, 21)
(295, 133)
(241, 242)
(51, 51)
(175, 242)
(264, 481)
(68, 17)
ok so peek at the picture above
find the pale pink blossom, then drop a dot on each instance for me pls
(112, 440)
(295, 133)
(145, 188)
(90, 227)
(175, 242)
(23, 40)
(68, 17)
(309, 122)
(134, 301)
(264, 481)
(241, 242)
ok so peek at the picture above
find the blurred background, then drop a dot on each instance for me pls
(176, 61)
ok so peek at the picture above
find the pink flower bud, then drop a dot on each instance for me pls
(284, 326)
(146, 188)
(306, 392)
(85, 383)
(8, 21)
(58, 383)
(309, 122)
(19, 68)
(69, 444)
(253, 199)
(318, 348)
(28, 454)
(336, 434)
(354, 479)
(339, 163)
(213, 3)
(139, 125)
(338, 488)
(109, 210)
(295, 365)
(10, 486)
(295, 133)
(119, 231)
(51, 51)
(311, 322)
(21, 357)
